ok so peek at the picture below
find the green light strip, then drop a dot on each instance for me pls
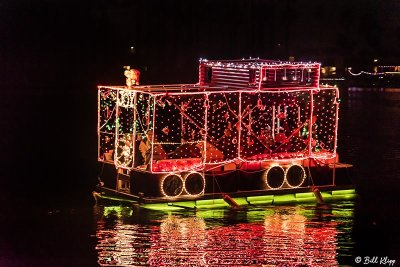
(307, 197)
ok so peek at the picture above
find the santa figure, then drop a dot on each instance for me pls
(132, 76)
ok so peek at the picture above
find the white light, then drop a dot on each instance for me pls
(265, 177)
(302, 180)
(184, 184)
(162, 185)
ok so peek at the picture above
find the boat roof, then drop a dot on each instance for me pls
(233, 76)
(201, 89)
(256, 63)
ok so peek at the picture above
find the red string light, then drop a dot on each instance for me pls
(194, 125)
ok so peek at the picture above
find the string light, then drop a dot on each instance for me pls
(196, 125)
(281, 175)
(364, 72)
(177, 184)
(224, 113)
(186, 180)
(302, 174)
(393, 70)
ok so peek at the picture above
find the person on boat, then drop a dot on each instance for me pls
(139, 159)
(108, 149)
(145, 148)
(305, 133)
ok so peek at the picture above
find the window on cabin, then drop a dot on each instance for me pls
(308, 77)
(207, 74)
(252, 76)
(270, 78)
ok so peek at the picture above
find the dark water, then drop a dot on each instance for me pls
(47, 217)
(270, 235)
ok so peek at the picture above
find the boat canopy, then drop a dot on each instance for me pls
(245, 111)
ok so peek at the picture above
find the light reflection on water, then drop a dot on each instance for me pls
(308, 234)
(296, 235)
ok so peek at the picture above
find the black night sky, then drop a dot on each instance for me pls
(45, 43)
(54, 53)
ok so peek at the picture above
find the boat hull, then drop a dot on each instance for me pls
(280, 197)
(245, 187)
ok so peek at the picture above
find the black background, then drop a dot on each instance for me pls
(54, 53)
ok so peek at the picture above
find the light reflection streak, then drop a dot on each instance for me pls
(179, 241)
(119, 243)
(278, 236)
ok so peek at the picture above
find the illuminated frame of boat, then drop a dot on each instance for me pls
(251, 131)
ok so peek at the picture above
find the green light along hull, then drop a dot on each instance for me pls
(329, 194)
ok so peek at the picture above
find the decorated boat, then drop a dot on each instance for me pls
(249, 132)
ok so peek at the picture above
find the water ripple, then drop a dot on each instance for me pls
(277, 236)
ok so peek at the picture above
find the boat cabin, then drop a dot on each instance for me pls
(258, 74)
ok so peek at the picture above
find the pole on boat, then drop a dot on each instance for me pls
(230, 201)
(318, 195)
(315, 190)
